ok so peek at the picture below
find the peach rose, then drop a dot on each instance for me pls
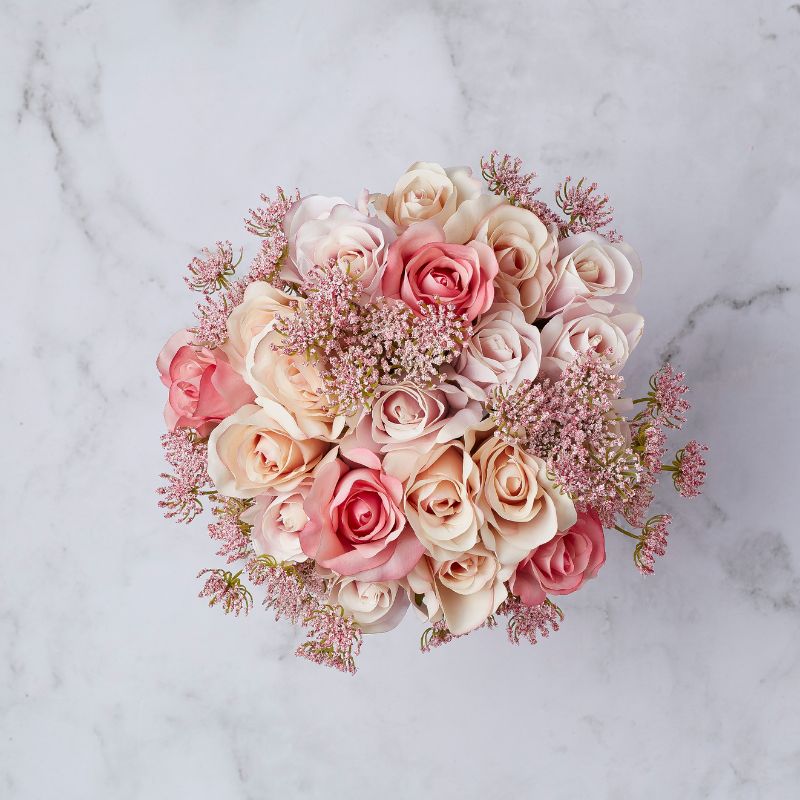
(564, 564)
(277, 522)
(376, 606)
(503, 350)
(591, 266)
(261, 449)
(426, 191)
(589, 325)
(294, 383)
(357, 242)
(522, 505)
(465, 589)
(261, 304)
(356, 525)
(524, 247)
(441, 499)
(203, 387)
(423, 268)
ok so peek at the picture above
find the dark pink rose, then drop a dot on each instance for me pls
(561, 565)
(355, 522)
(423, 268)
(203, 387)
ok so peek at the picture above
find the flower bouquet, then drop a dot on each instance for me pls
(416, 401)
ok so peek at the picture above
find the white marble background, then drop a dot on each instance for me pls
(133, 133)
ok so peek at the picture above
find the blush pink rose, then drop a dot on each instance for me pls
(203, 387)
(423, 268)
(356, 525)
(564, 564)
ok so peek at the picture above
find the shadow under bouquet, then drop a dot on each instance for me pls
(415, 401)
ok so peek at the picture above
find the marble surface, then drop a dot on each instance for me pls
(134, 133)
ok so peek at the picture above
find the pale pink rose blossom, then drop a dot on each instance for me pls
(356, 242)
(375, 606)
(591, 266)
(356, 524)
(423, 268)
(276, 524)
(203, 387)
(562, 565)
(589, 325)
(504, 350)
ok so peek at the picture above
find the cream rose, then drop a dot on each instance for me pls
(589, 325)
(261, 449)
(261, 304)
(375, 606)
(292, 382)
(522, 505)
(276, 523)
(524, 247)
(465, 589)
(591, 266)
(440, 500)
(427, 191)
(504, 349)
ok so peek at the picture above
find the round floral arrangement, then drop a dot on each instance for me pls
(415, 401)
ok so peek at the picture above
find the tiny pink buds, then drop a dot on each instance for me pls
(225, 589)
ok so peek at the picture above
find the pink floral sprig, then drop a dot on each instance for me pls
(530, 622)
(334, 639)
(225, 589)
(665, 400)
(586, 209)
(187, 454)
(504, 177)
(687, 469)
(651, 543)
(212, 316)
(232, 533)
(267, 219)
(210, 271)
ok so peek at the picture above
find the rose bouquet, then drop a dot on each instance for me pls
(416, 401)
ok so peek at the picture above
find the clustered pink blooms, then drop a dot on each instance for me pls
(211, 271)
(188, 457)
(586, 209)
(360, 346)
(529, 622)
(652, 543)
(225, 589)
(376, 431)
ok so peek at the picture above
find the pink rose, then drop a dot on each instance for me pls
(277, 522)
(203, 387)
(562, 565)
(356, 526)
(423, 268)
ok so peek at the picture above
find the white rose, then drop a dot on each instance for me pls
(465, 589)
(294, 383)
(589, 325)
(375, 606)
(260, 450)
(277, 522)
(261, 304)
(427, 191)
(504, 349)
(590, 266)
(523, 506)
